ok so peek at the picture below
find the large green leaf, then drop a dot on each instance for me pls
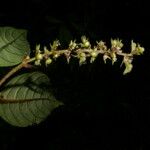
(27, 99)
(13, 46)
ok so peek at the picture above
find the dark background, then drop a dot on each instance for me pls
(103, 109)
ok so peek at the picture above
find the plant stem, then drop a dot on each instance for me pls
(15, 69)
(59, 52)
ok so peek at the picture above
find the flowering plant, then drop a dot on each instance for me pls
(25, 99)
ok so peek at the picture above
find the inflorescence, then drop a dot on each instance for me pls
(84, 51)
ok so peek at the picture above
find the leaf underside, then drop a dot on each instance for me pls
(13, 46)
(29, 100)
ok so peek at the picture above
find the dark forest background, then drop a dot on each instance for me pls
(103, 109)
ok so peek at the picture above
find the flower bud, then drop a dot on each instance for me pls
(82, 55)
(72, 45)
(139, 50)
(87, 44)
(37, 47)
(128, 68)
(55, 56)
(82, 58)
(37, 63)
(48, 61)
(93, 54)
(113, 57)
(39, 56)
(83, 39)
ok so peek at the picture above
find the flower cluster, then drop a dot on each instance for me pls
(84, 51)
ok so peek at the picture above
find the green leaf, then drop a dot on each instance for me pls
(27, 99)
(13, 46)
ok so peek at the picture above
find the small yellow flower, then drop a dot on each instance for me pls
(72, 45)
(37, 47)
(48, 61)
(136, 49)
(128, 68)
(82, 58)
(39, 56)
(113, 57)
(55, 45)
(85, 42)
(116, 43)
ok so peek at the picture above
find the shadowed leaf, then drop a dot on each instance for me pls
(27, 99)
